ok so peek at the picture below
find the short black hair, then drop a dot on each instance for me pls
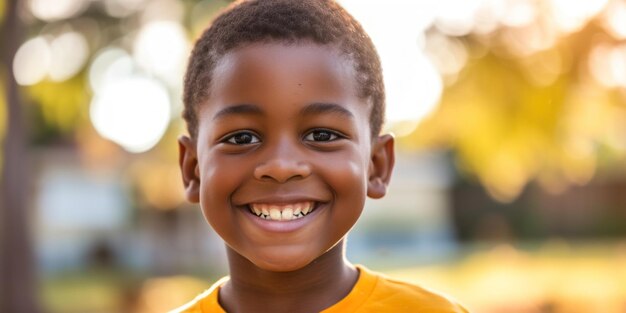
(322, 22)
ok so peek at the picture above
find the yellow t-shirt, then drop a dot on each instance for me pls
(372, 292)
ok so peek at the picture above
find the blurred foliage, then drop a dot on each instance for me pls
(201, 13)
(59, 110)
(512, 115)
(90, 291)
(512, 119)
(3, 6)
(60, 107)
(158, 177)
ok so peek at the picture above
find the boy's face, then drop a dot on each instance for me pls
(284, 132)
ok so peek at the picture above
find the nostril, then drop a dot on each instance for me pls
(267, 177)
(280, 178)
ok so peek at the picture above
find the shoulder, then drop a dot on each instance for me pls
(204, 302)
(395, 295)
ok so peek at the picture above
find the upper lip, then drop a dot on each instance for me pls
(280, 199)
(294, 192)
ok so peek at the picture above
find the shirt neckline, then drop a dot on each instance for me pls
(363, 288)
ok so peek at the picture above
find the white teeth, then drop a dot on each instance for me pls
(287, 213)
(275, 213)
(281, 212)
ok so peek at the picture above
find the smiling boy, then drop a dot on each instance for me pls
(284, 103)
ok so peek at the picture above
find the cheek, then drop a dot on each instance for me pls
(348, 173)
(220, 176)
(217, 185)
(353, 180)
(348, 181)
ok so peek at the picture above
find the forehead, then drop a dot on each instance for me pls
(283, 70)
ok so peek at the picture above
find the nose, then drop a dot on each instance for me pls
(284, 163)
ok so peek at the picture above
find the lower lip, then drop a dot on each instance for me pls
(283, 226)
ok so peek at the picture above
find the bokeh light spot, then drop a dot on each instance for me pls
(47, 10)
(32, 61)
(133, 112)
(413, 85)
(110, 65)
(607, 65)
(570, 16)
(123, 8)
(161, 49)
(69, 53)
(615, 16)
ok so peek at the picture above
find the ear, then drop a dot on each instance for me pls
(381, 166)
(188, 161)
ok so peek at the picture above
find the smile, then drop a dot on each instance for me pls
(282, 212)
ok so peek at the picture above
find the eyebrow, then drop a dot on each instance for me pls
(311, 109)
(243, 108)
(325, 108)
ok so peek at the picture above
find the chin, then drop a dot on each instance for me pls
(281, 263)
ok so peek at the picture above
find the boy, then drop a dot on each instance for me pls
(284, 103)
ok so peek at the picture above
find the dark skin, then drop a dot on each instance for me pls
(284, 128)
(303, 290)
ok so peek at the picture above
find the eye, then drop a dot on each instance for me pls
(321, 135)
(242, 138)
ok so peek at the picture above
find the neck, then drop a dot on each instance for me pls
(313, 288)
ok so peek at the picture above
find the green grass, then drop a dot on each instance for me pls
(88, 291)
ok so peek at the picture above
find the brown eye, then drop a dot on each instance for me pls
(321, 135)
(242, 138)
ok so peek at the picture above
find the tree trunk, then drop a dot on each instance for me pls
(17, 267)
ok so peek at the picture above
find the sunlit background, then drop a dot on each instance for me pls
(509, 193)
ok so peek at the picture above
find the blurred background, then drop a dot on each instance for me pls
(509, 193)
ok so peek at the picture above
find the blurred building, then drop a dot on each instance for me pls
(412, 224)
(89, 217)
